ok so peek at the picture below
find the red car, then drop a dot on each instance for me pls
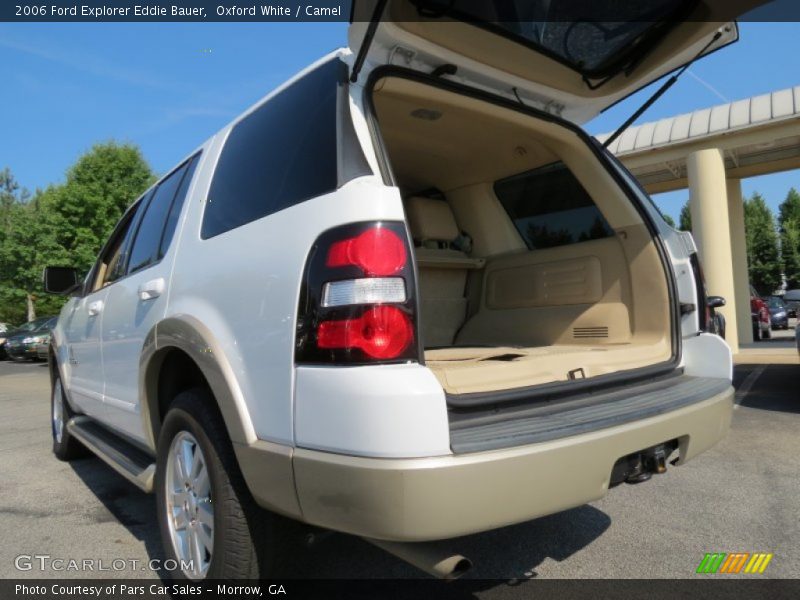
(759, 311)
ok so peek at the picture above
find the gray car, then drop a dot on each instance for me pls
(792, 300)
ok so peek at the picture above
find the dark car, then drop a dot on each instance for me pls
(21, 344)
(759, 312)
(792, 300)
(778, 314)
(6, 329)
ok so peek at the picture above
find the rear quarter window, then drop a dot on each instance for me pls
(282, 153)
(549, 207)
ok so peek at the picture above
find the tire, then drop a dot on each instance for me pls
(65, 447)
(756, 332)
(767, 334)
(246, 541)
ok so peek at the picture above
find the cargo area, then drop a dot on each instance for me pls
(534, 266)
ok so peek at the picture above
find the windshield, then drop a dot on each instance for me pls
(34, 325)
(776, 303)
(594, 38)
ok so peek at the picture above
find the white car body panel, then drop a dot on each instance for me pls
(82, 354)
(255, 322)
(396, 411)
(707, 355)
(126, 323)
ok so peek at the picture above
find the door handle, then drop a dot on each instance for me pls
(95, 308)
(151, 289)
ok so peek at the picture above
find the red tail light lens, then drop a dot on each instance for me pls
(382, 332)
(358, 301)
(377, 251)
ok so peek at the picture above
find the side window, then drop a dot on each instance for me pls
(279, 155)
(111, 263)
(147, 244)
(549, 207)
(177, 205)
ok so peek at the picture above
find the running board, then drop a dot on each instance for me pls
(125, 458)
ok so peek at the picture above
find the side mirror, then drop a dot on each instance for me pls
(60, 280)
(716, 301)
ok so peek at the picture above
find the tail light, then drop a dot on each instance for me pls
(703, 310)
(357, 302)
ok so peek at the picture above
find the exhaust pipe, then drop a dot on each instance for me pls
(427, 556)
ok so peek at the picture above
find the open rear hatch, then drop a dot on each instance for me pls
(571, 58)
(536, 265)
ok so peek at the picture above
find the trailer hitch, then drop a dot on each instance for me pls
(640, 466)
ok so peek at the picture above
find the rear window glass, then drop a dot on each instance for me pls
(549, 207)
(281, 154)
(148, 237)
(588, 36)
(177, 204)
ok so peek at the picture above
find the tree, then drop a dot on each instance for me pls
(670, 221)
(10, 191)
(789, 226)
(789, 209)
(790, 253)
(685, 219)
(64, 224)
(98, 189)
(763, 257)
(29, 244)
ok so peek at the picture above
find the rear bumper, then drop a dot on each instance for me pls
(419, 499)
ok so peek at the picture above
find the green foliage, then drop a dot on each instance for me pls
(65, 224)
(790, 253)
(789, 225)
(670, 221)
(763, 256)
(789, 209)
(685, 219)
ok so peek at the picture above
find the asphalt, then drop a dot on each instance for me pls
(742, 495)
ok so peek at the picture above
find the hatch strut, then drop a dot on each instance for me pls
(660, 92)
(368, 37)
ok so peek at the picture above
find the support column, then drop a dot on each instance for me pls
(709, 207)
(741, 277)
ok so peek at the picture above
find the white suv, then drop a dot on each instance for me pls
(404, 296)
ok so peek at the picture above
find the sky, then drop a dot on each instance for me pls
(168, 87)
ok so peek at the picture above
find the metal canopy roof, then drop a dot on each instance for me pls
(757, 135)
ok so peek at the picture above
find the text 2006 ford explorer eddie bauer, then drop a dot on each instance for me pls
(404, 297)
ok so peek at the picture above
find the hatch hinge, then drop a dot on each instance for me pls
(405, 55)
(554, 108)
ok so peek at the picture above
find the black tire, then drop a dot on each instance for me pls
(67, 448)
(249, 542)
(756, 332)
(767, 334)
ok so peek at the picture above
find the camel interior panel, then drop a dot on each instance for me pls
(534, 266)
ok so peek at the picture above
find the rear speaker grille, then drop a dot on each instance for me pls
(589, 332)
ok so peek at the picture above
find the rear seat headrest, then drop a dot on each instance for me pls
(431, 219)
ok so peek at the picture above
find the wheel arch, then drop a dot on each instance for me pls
(180, 352)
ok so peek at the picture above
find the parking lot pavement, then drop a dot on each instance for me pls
(742, 495)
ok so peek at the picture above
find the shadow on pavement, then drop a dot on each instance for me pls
(776, 389)
(507, 556)
(123, 502)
